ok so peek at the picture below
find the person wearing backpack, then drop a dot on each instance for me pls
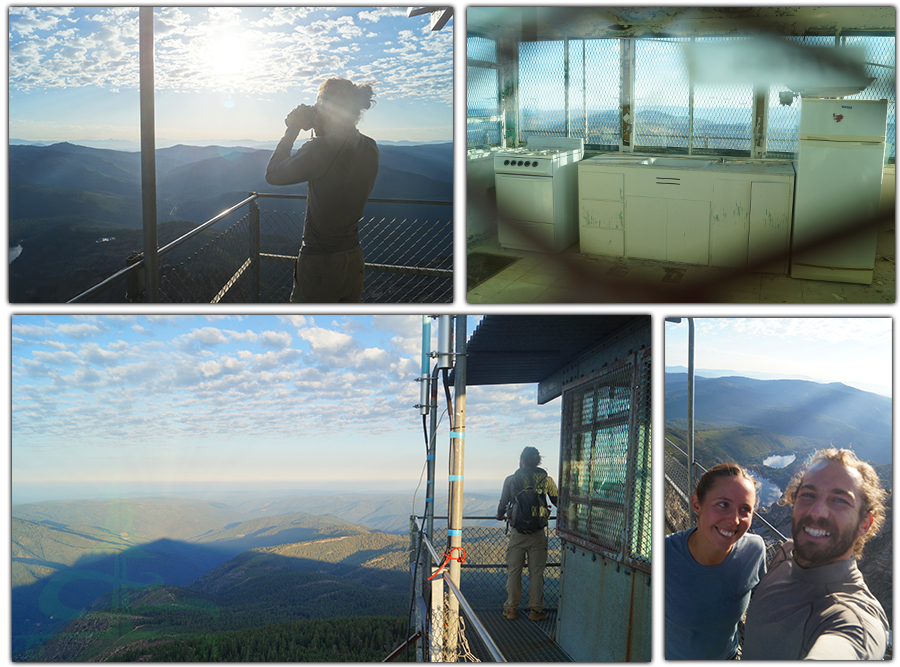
(523, 505)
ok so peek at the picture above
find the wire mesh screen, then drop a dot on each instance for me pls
(589, 106)
(482, 99)
(542, 89)
(880, 63)
(216, 272)
(676, 496)
(401, 243)
(481, 48)
(662, 94)
(723, 114)
(640, 525)
(605, 440)
(594, 91)
(482, 577)
(408, 260)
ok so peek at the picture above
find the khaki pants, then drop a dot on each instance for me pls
(535, 547)
(329, 278)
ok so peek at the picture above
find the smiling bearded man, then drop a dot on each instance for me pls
(813, 603)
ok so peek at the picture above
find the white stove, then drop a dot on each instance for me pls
(537, 194)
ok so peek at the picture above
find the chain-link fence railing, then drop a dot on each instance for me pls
(408, 259)
(482, 578)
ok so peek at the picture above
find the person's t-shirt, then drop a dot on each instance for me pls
(705, 602)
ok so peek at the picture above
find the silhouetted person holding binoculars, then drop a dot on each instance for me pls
(340, 165)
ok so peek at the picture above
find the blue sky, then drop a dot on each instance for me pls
(856, 351)
(283, 402)
(223, 73)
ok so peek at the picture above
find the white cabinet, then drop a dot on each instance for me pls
(601, 210)
(731, 215)
(770, 227)
(673, 230)
(751, 223)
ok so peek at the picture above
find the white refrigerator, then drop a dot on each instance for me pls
(838, 187)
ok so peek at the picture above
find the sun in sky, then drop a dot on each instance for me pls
(222, 73)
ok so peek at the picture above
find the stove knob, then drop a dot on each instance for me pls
(534, 164)
(519, 163)
(527, 163)
(506, 163)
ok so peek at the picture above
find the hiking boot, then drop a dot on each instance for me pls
(537, 615)
(511, 614)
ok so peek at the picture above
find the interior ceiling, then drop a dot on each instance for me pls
(594, 22)
(520, 349)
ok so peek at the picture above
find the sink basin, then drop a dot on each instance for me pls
(676, 162)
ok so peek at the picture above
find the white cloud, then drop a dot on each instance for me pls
(266, 51)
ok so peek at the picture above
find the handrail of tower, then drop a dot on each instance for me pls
(756, 517)
(470, 614)
(138, 263)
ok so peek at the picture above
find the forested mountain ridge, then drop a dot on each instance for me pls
(344, 570)
(748, 419)
(67, 555)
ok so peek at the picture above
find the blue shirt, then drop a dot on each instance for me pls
(704, 603)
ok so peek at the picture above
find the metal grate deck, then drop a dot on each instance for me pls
(520, 640)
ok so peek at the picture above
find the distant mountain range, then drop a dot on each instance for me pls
(135, 146)
(261, 559)
(748, 420)
(717, 373)
(64, 197)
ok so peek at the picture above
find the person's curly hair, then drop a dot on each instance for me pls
(347, 99)
(873, 495)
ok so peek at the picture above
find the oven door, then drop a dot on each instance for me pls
(525, 215)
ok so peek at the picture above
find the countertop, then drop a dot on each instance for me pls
(701, 163)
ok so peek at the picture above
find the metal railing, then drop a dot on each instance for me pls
(482, 577)
(252, 260)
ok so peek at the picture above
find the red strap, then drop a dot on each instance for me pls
(448, 556)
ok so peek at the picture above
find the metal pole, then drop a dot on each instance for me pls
(690, 145)
(432, 450)
(148, 155)
(690, 412)
(254, 249)
(457, 455)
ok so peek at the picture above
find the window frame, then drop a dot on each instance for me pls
(631, 519)
(509, 117)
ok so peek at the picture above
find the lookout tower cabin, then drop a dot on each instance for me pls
(688, 154)
(597, 591)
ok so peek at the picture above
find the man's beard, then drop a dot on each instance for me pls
(816, 555)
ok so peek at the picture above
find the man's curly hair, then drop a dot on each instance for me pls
(873, 495)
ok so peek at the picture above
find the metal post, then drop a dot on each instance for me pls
(432, 449)
(690, 412)
(457, 456)
(690, 146)
(254, 249)
(148, 155)
(627, 101)
(758, 131)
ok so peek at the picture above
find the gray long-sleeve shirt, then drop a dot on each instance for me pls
(341, 169)
(820, 613)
